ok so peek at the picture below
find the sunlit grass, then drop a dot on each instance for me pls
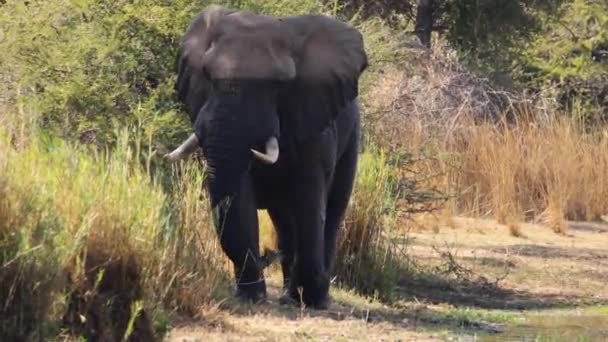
(366, 259)
(549, 172)
(66, 213)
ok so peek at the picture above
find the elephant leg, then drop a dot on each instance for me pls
(237, 225)
(339, 196)
(309, 271)
(283, 221)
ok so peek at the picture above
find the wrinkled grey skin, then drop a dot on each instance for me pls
(274, 108)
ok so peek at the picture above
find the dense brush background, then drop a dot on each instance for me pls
(504, 118)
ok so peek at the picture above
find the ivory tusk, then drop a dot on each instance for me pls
(184, 150)
(272, 152)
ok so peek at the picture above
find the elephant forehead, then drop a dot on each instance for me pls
(250, 46)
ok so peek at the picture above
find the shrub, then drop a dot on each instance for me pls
(531, 161)
(91, 67)
(366, 260)
(79, 228)
(568, 57)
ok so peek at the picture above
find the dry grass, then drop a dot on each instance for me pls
(79, 228)
(550, 172)
(268, 235)
(515, 229)
(512, 157)
(349, 318)
(543, 265)
(366, 259)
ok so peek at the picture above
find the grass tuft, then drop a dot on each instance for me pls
(366, 259)
(508, 156)
(87, 235)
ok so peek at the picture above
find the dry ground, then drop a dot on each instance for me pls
(345, 321)
(490, 279)
(538, 269)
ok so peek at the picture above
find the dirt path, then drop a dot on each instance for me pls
(472, 278)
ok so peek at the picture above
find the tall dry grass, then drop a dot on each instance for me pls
(510, 156)
(548, 172)
(367, 259)
(92, 246)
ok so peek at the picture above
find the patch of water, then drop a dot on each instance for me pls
(549, 328)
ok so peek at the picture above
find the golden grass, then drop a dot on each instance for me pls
(547, 172)
(268, 235)
(539, 164)
(77, 227)
(366, 260)
(551, 172)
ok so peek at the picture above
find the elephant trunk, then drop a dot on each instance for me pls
(228, 159)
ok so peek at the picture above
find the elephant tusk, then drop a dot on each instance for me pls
(184, 150)
(272, 152)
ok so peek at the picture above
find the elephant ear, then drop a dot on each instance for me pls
(330, 57)
(192, 84)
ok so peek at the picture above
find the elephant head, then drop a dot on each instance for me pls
(241, 74)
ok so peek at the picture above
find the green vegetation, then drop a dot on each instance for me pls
(557, 48)
(366, 260)
(76, 222)
(570, 43)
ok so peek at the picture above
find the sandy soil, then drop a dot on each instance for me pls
(541, 268)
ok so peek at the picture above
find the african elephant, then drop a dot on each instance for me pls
(273, 102)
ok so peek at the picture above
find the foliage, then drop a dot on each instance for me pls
(78, 229)
(488, 32)
(568, 45)
(557, 47)
(571, 53)
(277, 7)
(89, 67)
(554, 47)
(367, 261)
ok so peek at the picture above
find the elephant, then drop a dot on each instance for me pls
(274, 106)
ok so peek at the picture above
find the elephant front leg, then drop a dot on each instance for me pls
(283, 220)
(237, 224)
(309, 271)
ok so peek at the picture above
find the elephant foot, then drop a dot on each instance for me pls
(288, 300)
(321, 303)
(315, 292)
(254, 292)
(314, 295)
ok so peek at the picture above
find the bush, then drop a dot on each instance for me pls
(366, 260)
(532, 161)
(91, 67)
(568, 58)
(78, 229)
